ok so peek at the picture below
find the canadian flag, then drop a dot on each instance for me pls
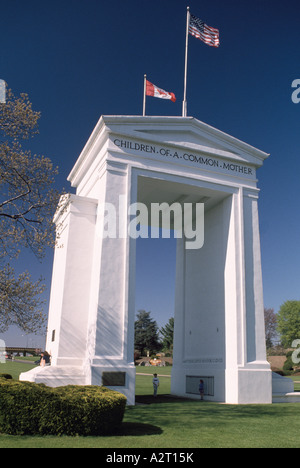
(152, 90)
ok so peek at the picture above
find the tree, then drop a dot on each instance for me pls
(270, 326)
(27, 204)
(168, 334)
(289, 322)
(146, 333)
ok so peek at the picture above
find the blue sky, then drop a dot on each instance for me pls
(79, 59)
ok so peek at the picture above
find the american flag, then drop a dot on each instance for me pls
(200, 30)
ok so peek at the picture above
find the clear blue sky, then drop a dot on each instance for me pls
(78, 59)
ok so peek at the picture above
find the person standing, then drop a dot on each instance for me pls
(201, 389)
(155, 384)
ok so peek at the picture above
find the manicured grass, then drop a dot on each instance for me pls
(167, 422)
(144, 385)
(15, 368)
(296, 379)
(154, 370)
(172, 423)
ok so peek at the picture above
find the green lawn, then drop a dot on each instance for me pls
(15, 368)
(296, 380)
(167, 422)
(144, 382)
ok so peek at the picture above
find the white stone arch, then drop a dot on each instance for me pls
(219, 323)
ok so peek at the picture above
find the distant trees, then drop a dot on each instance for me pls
(283, 326)
(168, 334)
(147, 334)
(288, 319)
(270, 327)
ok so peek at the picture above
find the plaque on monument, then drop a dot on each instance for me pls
(113, 379)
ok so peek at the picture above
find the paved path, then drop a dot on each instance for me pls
(160, 375)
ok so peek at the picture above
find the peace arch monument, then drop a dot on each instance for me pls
(219, 310)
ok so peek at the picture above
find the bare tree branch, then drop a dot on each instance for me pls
(27, 204)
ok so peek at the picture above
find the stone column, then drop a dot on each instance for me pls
(110, 339)
(248, 374)
(71, 279)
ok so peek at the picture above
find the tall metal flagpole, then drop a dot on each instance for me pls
(144, 101)
(184, 104)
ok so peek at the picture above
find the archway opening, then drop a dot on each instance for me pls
(190, 281)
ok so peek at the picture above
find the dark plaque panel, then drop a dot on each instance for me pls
(113, 379)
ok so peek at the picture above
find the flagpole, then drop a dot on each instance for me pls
(184, 104)
(144, 101)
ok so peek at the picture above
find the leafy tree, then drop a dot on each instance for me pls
(167, 333)
(270, 326)
(289, 322)
(146, 333)
(27, 204)
(288, 365)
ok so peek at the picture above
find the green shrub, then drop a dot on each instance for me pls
(89, 410)
(19, 406)
(288, 366)
(28, 408)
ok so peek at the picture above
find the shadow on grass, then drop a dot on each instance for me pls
(137, 429)
(142, 429)
(150, 399)
(212, 408)
(166, 411)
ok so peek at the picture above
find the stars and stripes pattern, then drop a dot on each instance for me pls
(207, 34)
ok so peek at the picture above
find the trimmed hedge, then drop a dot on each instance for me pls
(29, 408)
(6, 376)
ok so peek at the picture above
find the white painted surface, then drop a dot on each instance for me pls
(219, 324)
